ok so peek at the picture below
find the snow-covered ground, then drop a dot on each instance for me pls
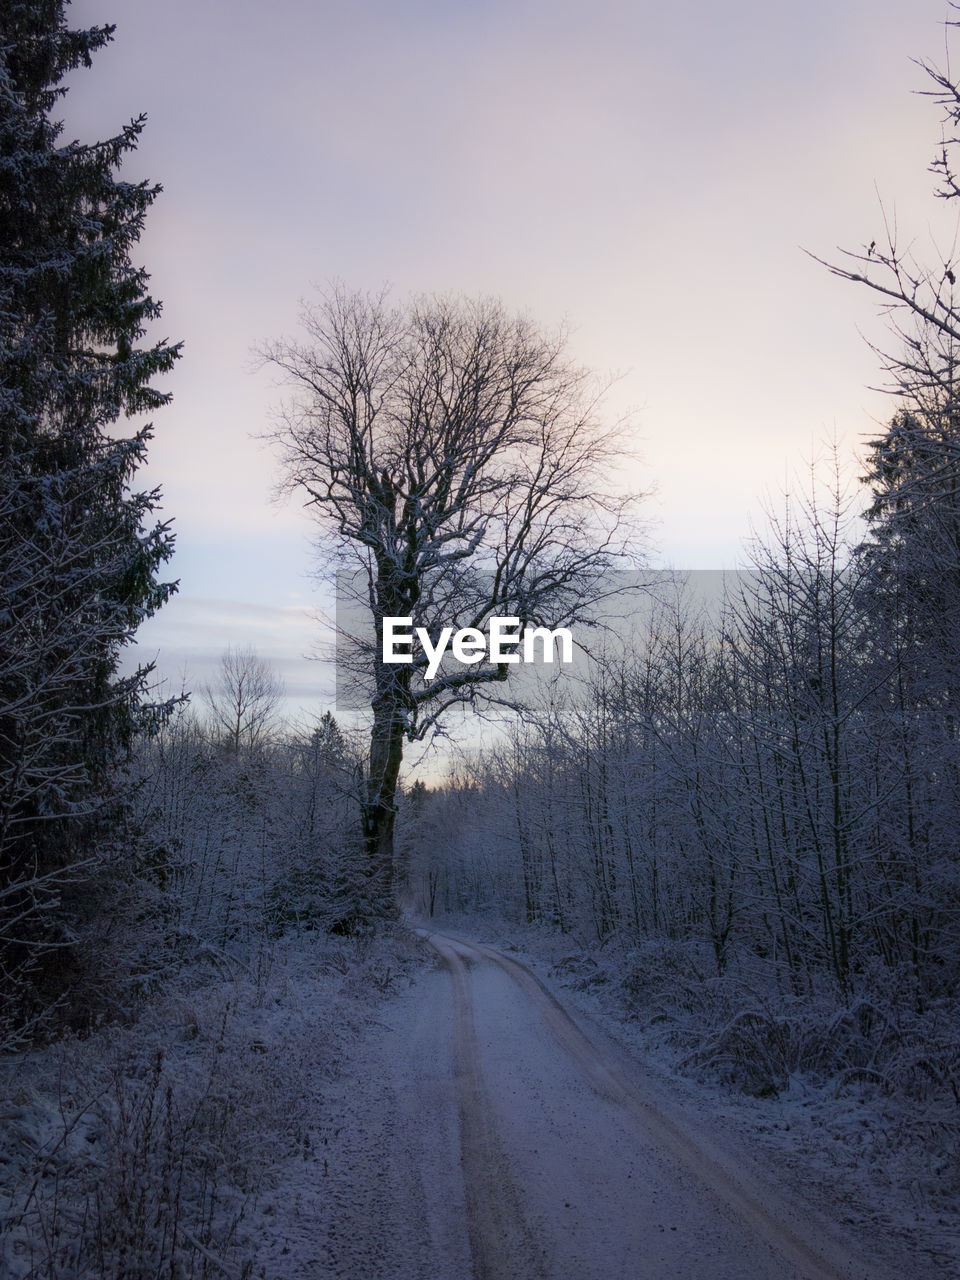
(862, 1160)
(158, 1147)
(404, 1110)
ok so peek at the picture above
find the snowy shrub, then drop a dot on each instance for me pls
(658, 966)
(150, 1149)
(140, 1151)
(134, 1180)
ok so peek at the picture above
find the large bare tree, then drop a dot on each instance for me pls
(453, 456)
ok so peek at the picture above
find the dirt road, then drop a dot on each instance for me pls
(483, 1132)
(574, 1167)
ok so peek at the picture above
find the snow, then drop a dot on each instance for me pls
(860, 1158)
(347, 1108)
(159, 1142)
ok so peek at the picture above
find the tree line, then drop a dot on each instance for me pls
(757, 799)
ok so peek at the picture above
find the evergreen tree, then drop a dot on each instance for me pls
(912, 550)
(328, 744)
(79, 552)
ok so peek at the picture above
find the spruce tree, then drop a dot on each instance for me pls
(79, 550)
(913, 546)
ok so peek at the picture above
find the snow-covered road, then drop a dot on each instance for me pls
(486, 1133)
(573, 1166)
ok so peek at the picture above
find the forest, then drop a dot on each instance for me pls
(735, 827)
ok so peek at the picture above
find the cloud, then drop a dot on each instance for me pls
(188, 637)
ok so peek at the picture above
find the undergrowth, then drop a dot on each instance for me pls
(141, 1150)
(895, 1063)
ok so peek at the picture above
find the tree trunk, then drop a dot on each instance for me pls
(379, 810)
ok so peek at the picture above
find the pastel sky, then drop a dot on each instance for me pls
(646, 172)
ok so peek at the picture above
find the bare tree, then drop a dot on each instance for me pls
(244, 700)
(453, 457)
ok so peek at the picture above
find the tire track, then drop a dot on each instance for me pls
(803, 1248)
(501, 1244)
